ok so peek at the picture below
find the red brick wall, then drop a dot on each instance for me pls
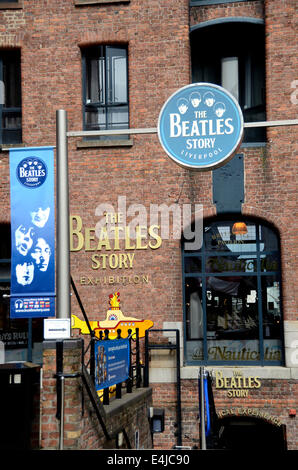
(251, 9)
(274, 397)
(49, 422)
(50, 35)
(82, 431)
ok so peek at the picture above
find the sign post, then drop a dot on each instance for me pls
(63, 257)
(202, 408)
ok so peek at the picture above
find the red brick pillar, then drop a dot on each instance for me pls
(72, 399)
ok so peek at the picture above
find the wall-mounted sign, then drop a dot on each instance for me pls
(14, 339)
(250, 413)
(238, 385)
(111, 363)
(200, 126)
(32, 232)
(57, 328)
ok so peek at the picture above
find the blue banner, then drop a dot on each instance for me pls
(111, 362)
(32, 288)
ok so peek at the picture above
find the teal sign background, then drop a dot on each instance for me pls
(200, 126)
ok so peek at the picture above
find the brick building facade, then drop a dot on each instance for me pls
(165, 46)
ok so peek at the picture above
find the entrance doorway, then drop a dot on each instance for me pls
(239, 433)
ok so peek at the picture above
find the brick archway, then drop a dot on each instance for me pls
(251, 431)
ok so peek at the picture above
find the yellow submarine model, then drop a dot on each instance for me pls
(115, 320)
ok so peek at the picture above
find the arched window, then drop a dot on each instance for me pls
(231, 52)
(232, 295)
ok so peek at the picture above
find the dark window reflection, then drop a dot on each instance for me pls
(232, 295)
(106, 89)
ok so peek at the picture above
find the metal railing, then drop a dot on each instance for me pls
(87, 375)
(90, 389)
(135, 364)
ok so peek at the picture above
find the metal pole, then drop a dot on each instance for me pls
(153, 130)
(60, 391)
(63, 259)
(146, 368)
(61, 427)
(203, 434)
(179, 415)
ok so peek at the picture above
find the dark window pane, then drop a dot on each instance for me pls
(12, 79)
(271, 306)
(232, 319)
(11, 136)
(272, 322)
(268, 239)
(269, 262)
(95, 78)
(95, 119)
(194, 319)
(247, 79)
(4, 270)
(194, 310)
(222, 264)
(192, 264)
(117, 117)
(11, 119)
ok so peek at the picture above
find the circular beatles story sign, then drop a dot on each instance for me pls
(32, 172)
(200, 126)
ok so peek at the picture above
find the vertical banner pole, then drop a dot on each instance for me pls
(63, 259)
(202, 417)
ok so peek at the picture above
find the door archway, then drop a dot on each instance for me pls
(242, 433)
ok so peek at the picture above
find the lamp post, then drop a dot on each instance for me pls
(63, 258)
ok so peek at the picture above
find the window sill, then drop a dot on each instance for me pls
(168, 374)
(6, 6)
(7, 147)
(97, 2)
(199, 3)
(253, 144)
(104, 143)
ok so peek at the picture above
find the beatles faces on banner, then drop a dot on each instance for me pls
(34, 252)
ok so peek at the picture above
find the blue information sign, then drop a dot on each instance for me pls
(111, 362)
(32, 288)
(200, 126)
